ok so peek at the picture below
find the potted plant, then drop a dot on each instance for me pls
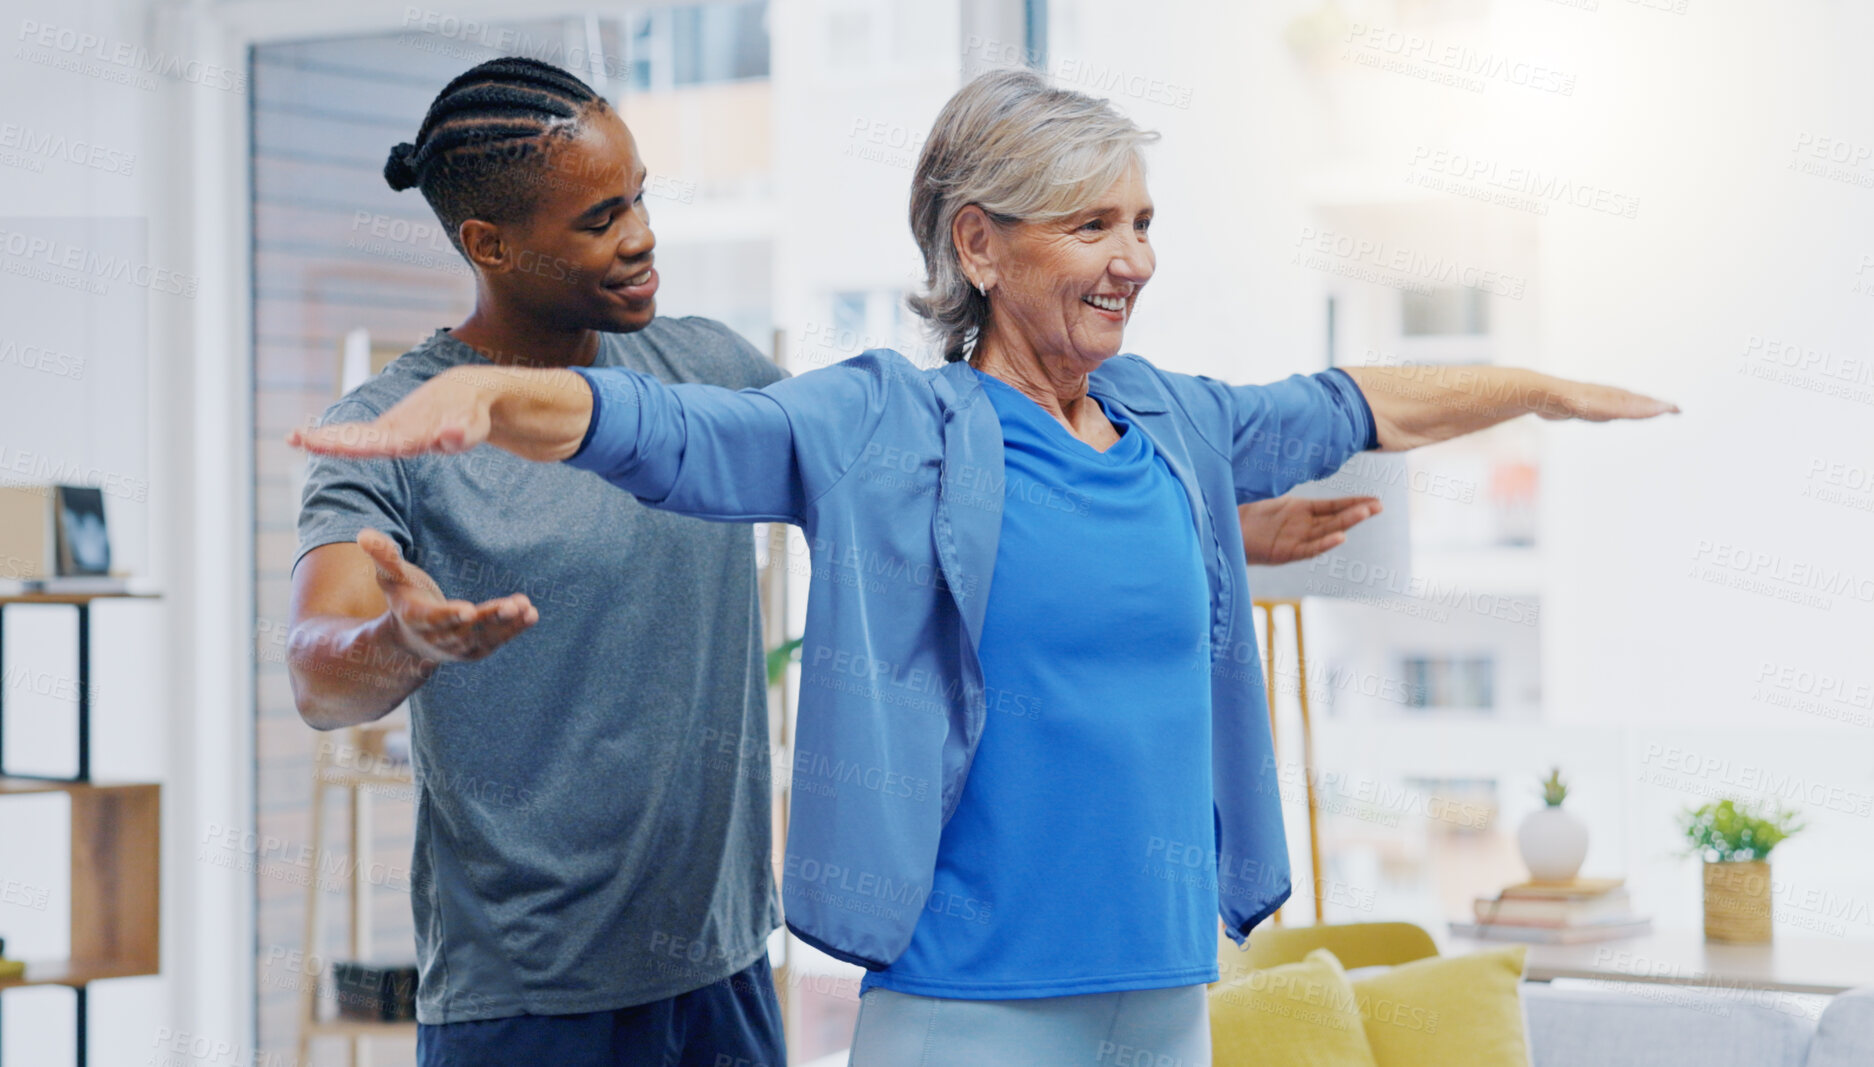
(1553, 842)
(1735, 841)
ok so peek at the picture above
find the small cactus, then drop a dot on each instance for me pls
(1554, 790)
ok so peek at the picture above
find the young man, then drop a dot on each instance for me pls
(592, 881)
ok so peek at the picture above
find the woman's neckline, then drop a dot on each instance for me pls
(1112, 452)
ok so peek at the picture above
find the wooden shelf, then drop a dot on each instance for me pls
(73, 973)
(358, 785)
(116, 847)
(71, 598)
(115, 881)
(15, 784)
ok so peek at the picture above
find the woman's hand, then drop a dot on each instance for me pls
(1415, 406)
(1284, 529)
(535, 414)
(1600, 403)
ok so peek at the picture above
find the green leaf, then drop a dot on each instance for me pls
(1730, 830)
(778, 659)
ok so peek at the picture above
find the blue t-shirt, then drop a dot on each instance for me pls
(1094, 764)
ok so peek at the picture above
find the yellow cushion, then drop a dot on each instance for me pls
(1296, 1015)
(1447, 1010)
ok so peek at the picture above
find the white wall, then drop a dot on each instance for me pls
(159, 413)
(856, 86)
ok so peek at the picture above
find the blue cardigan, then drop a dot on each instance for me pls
(894, 473)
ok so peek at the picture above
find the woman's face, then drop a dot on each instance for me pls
(1067, 287)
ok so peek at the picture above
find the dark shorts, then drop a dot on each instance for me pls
(734, 1023)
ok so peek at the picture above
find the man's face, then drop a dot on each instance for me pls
(584, 256)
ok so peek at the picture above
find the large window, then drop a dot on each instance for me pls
(698, 44)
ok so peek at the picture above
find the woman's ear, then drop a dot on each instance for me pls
(974, 237)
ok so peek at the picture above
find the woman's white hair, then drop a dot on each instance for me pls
(1022, 150)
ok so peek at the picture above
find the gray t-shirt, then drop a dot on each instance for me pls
(592, 804)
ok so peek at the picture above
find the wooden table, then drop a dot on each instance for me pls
(1795, 962)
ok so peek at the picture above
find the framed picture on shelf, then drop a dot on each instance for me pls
(84, 542)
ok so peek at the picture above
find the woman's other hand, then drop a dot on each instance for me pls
(1289, 528)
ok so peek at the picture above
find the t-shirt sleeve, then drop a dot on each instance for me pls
(761, 370)
(766, 371)
(344, 496)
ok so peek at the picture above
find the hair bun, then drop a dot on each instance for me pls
(398, 170)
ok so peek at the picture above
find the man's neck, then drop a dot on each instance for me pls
(511, 344)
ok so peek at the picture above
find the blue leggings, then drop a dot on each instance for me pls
(733, 1023)
(1135, 1028)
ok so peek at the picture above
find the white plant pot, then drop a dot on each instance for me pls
(1553, 844)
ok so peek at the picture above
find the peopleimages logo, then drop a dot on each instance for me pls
(1344, 572)
(1526, 188)
(1448, 62)
(447, 34)
(91, 266)
(1717, 776)
(1852, 692)
(83, 153)
(1324, 249)
(69, 48)
(1774, 567)
(838, 771)
(859, 883)
(42, 359)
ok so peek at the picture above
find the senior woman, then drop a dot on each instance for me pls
(1019, 724)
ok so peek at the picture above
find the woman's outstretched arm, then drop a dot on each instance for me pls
(535, 414)
(1305, 427)
(700, 450)
(1422, 405)
(743, 455)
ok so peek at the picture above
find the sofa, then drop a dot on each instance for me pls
(1632, 1025)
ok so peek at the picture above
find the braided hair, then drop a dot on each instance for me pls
(480, 153)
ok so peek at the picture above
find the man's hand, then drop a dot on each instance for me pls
(432, 627)
(1289, 528)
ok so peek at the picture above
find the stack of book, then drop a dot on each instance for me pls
(1562, 913)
